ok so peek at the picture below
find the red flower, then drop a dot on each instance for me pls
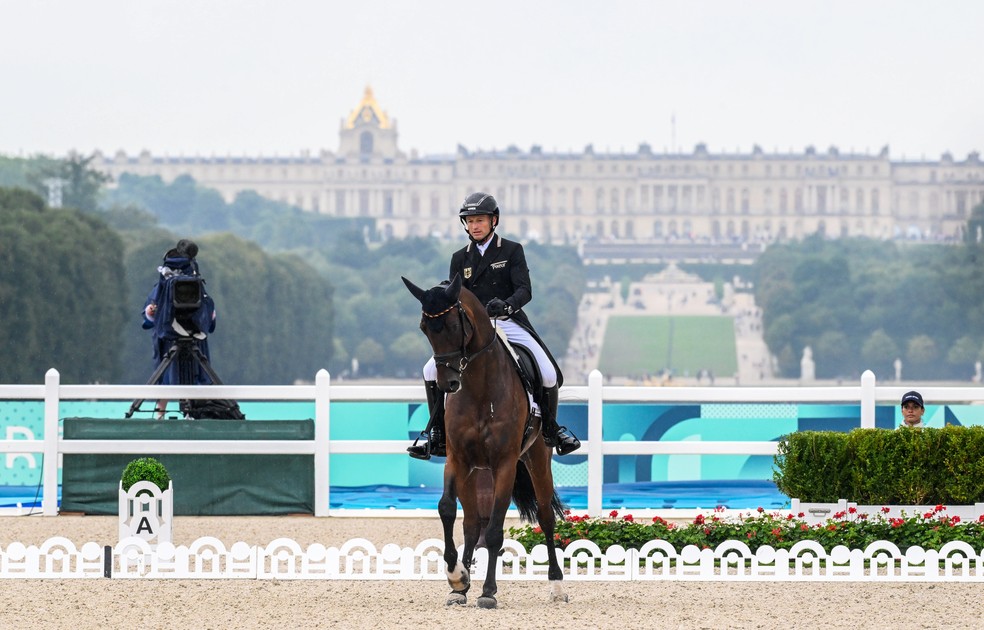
(955, 520)
(800, 515)
(613, 513)
(928, 515)
(707, 531)
(566, 541)
(804, 527)
(832, 527)
(939, 508)
(789, 516)
(852, 510)
(886, 510)
(838, 514)
(776, 532)
(750, 534)
(537, 530)
(699, 520)
(627, 517)
(760, 510)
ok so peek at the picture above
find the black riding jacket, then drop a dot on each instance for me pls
(501, 273)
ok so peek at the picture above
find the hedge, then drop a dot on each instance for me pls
(883, 467)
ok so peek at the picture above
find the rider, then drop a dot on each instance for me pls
(495, 270)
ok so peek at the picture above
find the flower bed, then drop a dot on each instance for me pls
(856, 530)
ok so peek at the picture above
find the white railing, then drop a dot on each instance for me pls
(582, 560)
(595, 394)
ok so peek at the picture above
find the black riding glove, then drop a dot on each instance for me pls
(498, 308)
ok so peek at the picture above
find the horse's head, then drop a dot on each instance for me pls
(451, 320)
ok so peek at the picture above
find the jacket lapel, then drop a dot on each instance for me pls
(482, 262)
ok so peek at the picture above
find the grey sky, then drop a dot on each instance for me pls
(256, 77)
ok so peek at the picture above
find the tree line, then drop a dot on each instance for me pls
(863, 304)
(72, 289)
(294, 291)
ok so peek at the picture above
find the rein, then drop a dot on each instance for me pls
(464, 359)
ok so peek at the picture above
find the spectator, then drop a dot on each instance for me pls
(912, 410)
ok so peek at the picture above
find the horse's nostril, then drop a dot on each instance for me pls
(453, 386)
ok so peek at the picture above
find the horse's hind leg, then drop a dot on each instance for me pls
(457, 572)
(541, 474)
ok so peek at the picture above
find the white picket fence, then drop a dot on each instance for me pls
(322, 393)
(359, 559)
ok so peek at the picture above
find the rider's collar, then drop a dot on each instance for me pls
(485, 246)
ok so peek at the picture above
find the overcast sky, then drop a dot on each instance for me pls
(208, 77)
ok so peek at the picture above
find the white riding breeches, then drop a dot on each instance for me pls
(518, 335)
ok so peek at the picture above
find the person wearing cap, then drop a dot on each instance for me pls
(912, 410)
(495, 270)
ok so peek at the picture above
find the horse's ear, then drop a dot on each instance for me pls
(417, 291)
(453, 290)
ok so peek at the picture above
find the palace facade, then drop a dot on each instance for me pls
(644, 196)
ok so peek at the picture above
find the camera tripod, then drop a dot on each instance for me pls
(189, 357)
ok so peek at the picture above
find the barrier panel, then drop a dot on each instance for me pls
(217, 485)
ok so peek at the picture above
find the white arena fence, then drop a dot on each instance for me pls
(359, 559)
(323, 393)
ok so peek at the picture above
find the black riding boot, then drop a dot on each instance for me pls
(433, 434)
(554, 436)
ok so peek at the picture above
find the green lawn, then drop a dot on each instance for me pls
(637, 346)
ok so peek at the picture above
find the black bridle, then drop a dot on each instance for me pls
(462, 355)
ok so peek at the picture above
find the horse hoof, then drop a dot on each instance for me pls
(557, 593)
(457, 599)
(486, 602)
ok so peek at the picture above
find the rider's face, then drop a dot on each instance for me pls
(479, 226)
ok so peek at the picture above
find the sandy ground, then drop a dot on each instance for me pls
(220, 604)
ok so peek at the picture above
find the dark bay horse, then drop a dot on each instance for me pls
(486, 414)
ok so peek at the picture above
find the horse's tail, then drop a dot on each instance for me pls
(524, 496)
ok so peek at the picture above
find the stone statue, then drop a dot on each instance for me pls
(807, 366)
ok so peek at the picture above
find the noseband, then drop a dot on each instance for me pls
(462, 355)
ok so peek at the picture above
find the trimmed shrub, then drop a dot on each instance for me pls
(145, 469)
(883, 467)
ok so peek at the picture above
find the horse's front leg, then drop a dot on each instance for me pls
(503, 480)
(457, 572)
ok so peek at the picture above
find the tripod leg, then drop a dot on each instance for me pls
(204, 364)
(155, 378)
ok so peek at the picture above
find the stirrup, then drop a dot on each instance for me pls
(420, 451)
(564, 441)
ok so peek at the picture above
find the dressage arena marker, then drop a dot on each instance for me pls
(583, 560)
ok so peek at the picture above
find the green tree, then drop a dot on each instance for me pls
(921, 356)
(81, 184)
(879, 352)
(62, 292)
(963, 353)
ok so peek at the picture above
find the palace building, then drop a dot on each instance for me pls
(639, 197)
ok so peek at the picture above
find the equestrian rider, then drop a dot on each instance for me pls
(495, 270)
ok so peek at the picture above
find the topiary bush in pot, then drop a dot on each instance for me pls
(145, 469)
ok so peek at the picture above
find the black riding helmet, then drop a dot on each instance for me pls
(479, 203)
